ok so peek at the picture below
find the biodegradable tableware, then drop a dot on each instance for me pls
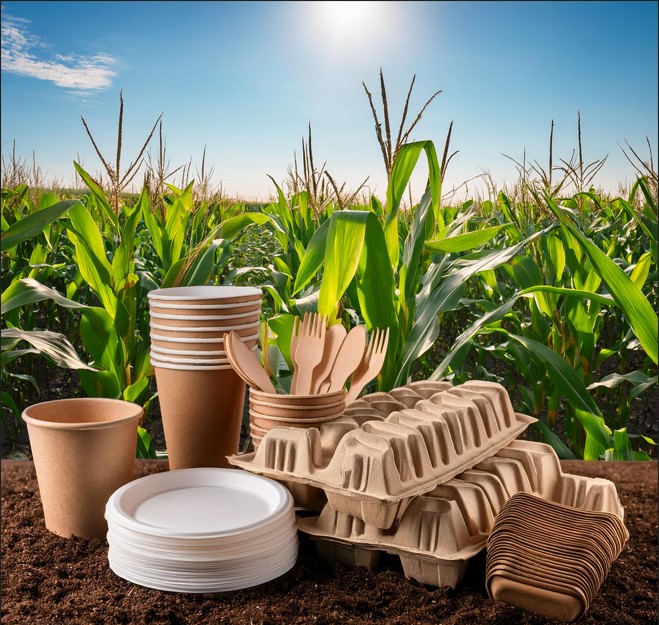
(297, 400)
(347, 360)
(178, 366)
(206, 295)
(188, 353)
(201, 530)
(207, 332)
(268, 422)
(311, 407)
(246, 364)
(214, 321)
(196, 344)
(202, 408)
(333, 338)
(370, 364)
(167, 308)
(295, 333)
(308, 352)
(83, 450)
(543, 601)
(189, 359)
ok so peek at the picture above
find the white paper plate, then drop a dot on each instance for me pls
(224, 584)
(257, 541)
(199, 502)
(202, 530)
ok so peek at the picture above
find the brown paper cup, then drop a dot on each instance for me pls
(206, 295)
(202, 311)
(206, 321)
(201, 415)
(83, 449)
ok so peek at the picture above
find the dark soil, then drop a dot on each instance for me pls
(47, 579)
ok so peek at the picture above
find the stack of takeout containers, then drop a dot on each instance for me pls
(201, 396)
(202, 530)
(549, 558)
(270, 410)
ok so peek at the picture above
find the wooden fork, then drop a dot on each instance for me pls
(308, 352)
(370, 365)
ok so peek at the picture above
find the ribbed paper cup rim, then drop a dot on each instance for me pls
(164, 358)
(188, 339)
(159, 364)
(244, 326)
(155, 315)
(298, 400)
(303, 408)
(164, 351)
(208, 292)
(167, 305)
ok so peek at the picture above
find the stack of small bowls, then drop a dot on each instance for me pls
(201, 397)
(268, 410)
(549, 558)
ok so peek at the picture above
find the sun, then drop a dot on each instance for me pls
(345, 19)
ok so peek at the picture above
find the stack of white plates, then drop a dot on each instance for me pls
(201, 530)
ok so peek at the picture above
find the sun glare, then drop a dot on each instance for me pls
(348, 28)
(347, 18)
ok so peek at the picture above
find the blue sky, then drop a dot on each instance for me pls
(245, 79)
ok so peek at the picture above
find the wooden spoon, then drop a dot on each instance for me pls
(334, 336)
(349, 356)
(246, 364)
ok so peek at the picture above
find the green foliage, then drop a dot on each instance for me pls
(536, 294)
(104, 263)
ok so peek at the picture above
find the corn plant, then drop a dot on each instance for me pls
(405, 285)
(563, 370)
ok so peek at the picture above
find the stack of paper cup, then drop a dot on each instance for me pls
(201, 396)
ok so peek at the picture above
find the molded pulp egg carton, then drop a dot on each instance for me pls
(441, 530)
(371, 466)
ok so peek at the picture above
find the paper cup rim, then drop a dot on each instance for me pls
(228, 329)
(187, 339)
(204, 317)
(167, 305)
(187, 361)
(135, 414)
(205, 292)
(158, 364)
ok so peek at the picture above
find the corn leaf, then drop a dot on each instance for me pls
(561, 449)
(465, 241)
(90, 256)
(34, 223)
(28, 291)
(402, 169)
(345, 241)
(98, 194)
(636, 308)
(571, 386)
(53, 345)
(313, 258)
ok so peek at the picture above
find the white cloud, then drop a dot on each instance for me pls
(71, 72)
